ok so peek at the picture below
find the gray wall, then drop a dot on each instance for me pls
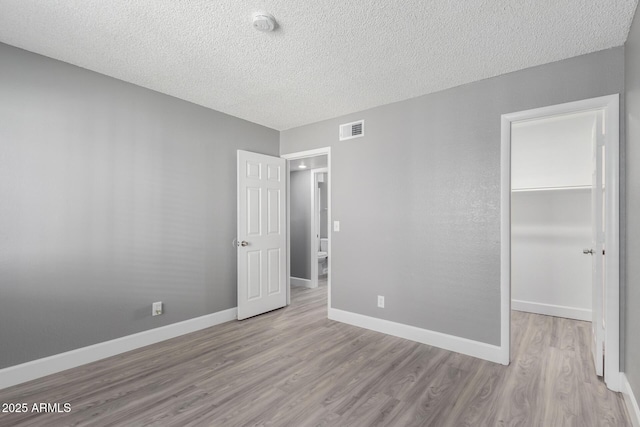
(631, 293)
(420, 214)
(300, 185)
(113, 197)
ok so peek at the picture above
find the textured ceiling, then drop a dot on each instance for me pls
(327, 58)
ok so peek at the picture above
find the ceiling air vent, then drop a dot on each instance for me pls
(352, 130)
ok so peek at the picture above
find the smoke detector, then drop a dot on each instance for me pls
(264, 22)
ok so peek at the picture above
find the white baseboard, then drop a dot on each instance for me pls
(60, 362)
(296, 281)
(630, 401)
(552, 310)
(469, 347)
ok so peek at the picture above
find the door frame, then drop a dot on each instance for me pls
(303, 155)
(315, 222)
(610, 105)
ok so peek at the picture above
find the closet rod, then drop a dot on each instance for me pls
(574, 187)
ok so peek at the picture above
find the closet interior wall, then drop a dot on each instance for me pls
(551, 215)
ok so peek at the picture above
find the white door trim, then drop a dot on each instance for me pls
(610, 105)
(314, 229)
(302, 155)
(313, 250)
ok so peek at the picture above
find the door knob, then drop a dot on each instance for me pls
(587, 251)
(244, 243)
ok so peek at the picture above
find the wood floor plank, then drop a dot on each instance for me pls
(479, 402)
(294, 367)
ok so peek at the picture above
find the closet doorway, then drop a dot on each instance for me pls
(552, 214)
(560, 231)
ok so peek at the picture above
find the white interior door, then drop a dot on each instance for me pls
(597, 247)
(261, 234)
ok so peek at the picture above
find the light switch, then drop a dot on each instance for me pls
(156, 308)
(336, 225)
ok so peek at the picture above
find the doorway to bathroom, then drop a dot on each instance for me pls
(309, 218)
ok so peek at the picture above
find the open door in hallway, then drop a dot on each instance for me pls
(261, 232)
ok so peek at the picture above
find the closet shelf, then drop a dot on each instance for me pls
(575, 187)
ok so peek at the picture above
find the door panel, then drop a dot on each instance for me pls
(261, 234)
(274, 271)
(253, 210)
(253, 275)
(274, 211)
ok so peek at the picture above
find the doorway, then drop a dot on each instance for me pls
(551, 215)
(555, 206)
(309, 217)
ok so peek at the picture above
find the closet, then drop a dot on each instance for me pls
(551, 215)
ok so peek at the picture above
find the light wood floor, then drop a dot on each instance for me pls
(293, 367)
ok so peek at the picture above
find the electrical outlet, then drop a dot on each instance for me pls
(380, 301)
(336, 225)
(156, 308)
